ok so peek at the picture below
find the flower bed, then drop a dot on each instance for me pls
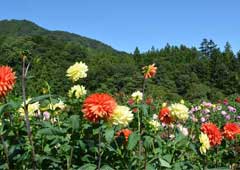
(95, 131)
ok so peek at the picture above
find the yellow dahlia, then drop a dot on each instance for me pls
(121, 116)
(77, 71)
(137, 96)
(204, 140)
(60, 105)
(179, 111)
(32, 108)
(78, 91)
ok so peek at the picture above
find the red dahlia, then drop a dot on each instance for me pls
(164, 115)
(212, 132)
(231, 130)
(7, 80)
(97, 106)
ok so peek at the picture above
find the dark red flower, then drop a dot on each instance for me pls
(165, 116)
(237, 99)
(225, 101)
(149, 101)
(231, 130)
(135, 110)
(97, 106)
(212, 132)
(130, 101)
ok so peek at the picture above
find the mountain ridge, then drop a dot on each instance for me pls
(18, 28)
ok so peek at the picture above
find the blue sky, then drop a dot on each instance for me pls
(125, 24)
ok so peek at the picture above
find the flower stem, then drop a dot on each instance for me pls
(29, 132)
(99, 146)
(71, 156)
(139, 126)
(5, 151)
(143, 88)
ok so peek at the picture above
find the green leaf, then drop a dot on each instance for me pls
(220, 168)
(133, 140)
(75, 122)
(4, 166)
(164, 163)
(39, 98)
(51, 131)
(144, 108)
(4, 106)
(109, 133)
(42, 158)
(148, 141)
(150, 167)
(168, 157)
(88, 167)
(106, 167)
(193, 147)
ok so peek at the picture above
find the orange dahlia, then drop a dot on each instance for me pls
(7, 80)
(149, 71)
(212, 132)
(124, 132)
(164, 115)
(231, 130)
(97, 106)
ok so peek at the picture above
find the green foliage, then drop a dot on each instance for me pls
(179, 68)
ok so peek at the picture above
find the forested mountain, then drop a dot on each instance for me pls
(183, 72)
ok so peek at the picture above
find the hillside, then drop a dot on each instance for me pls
(18, 28)
(191, 73)
(51, 52)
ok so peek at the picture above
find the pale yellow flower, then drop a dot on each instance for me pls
(179, 111)
(204, 140)
(32, 108)
(137, 96)
(77, 71)
(60, 105)
(164, 104)
(78, 91)
(154, 125)
(121, 116)
(182, 101)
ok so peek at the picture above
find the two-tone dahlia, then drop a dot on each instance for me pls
(149, 71)
(231, 130)
(212, 132)
(77, 71)
(98, 106)
(7, 80)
